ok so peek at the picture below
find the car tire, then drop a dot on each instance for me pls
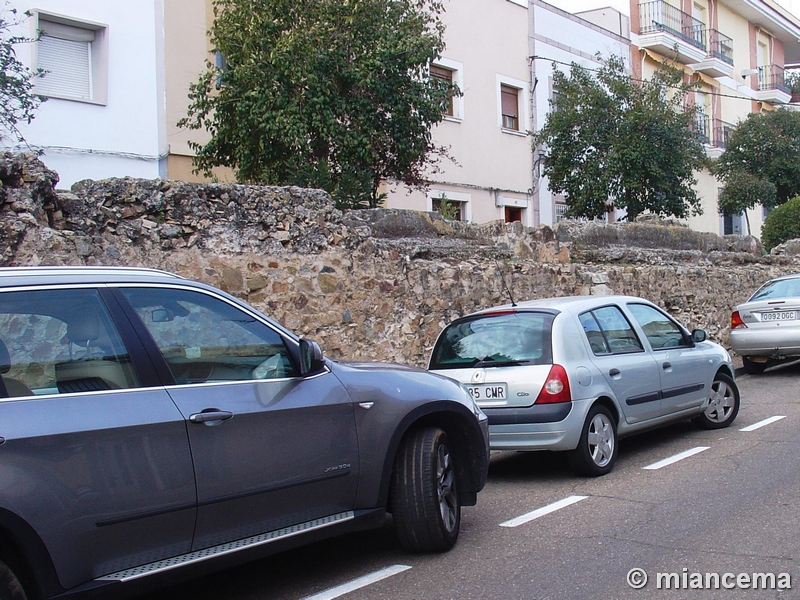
(723, 406)
(752, 367)
(424, 495)
(10, 587)
(597, 449)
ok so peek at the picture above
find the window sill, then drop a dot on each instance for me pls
(452, 119)
(73, 99)
(514, 132)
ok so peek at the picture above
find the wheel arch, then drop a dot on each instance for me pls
(612, 408)
(460, 425)
(24, 552)
(726, 369)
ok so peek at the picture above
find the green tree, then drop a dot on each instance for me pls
(782, 224)
(18, 103)
(761, 162)
(612, 141)
(333, 94)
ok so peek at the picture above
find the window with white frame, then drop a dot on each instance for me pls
(446, 75)
(511, 103)
(454, 206)
(72, 58)
(450, 71)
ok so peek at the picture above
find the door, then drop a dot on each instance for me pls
(683, 368)
(95, 461)
(629, 370)
(270, 448)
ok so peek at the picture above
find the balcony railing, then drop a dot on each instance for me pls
(702, 126)
(722, 133)
(771, 77)
(720, 46)
(660, 16)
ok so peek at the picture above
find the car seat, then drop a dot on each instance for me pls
(9, 387)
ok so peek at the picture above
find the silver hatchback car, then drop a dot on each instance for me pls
(575, 374)
(765, 330)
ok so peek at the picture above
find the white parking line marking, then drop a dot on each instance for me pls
(760, 424)
(676, 458)
(540, 512)
(346, 588)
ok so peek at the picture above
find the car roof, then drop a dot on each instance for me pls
(55, 275)
(562, 303)
(782, 277)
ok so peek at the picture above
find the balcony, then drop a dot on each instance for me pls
(772, 85)
(665, 29)
(719, 61)
(702, 127)
(722, 133)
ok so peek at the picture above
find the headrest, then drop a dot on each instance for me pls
(5, 358)
(83, 328)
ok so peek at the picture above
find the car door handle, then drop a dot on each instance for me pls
(614, 372)
(666, 365)
(211, 414)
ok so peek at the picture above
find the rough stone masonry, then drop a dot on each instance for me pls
(368, 284)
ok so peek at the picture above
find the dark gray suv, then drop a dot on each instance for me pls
(154, 427)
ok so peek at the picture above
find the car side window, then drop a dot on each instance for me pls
(660, 330)
(609, 332)
(58, 342)
(205, 339)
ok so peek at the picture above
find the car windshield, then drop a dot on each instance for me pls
(495, 340)
(782, 288)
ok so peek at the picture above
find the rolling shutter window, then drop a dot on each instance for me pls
(509, 107)
(65, 56)
(445, 75)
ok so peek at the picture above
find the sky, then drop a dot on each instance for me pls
(623, 6)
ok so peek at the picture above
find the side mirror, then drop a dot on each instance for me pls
(311, 360)
(698, 335)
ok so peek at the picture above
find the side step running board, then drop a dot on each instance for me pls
(227, 548)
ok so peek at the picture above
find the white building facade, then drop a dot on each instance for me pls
(105, 110)
(557, 40)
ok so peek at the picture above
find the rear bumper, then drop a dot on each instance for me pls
(543, 427)
(775, 342)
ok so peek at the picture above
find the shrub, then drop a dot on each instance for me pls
(782, 224)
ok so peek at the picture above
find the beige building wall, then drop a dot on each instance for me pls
(486, 47)
(186, 50)
(729, 96)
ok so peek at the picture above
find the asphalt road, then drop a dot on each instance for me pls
(729, 510)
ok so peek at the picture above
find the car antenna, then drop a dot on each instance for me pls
(505, 286)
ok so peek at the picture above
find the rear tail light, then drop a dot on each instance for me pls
(556, 387)
(736, 320)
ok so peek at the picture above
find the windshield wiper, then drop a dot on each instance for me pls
(488, 361)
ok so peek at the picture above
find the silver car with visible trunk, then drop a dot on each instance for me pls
(765, 330)
(153, 428)
(575, 374)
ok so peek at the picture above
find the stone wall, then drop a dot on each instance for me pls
(377, 284)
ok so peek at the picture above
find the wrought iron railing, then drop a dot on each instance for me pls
(722, 133)
(720, 46)
(702, 126)
(660, 16)
(771, 77)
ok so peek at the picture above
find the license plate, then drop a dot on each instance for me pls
(487, 392)
(784, 315)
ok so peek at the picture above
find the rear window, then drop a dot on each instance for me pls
(785, 288)
(495, 340)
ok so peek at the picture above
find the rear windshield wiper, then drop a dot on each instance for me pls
(488, 361)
